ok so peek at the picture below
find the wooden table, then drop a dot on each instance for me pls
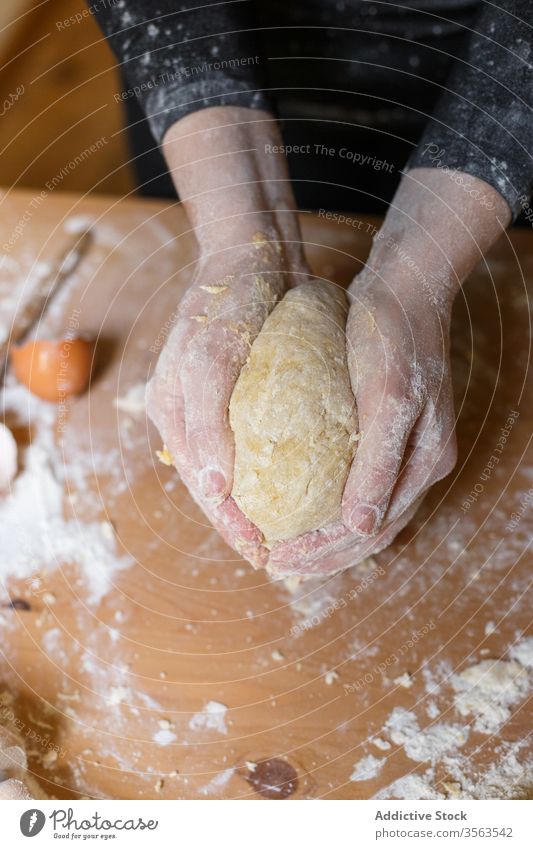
(189, 671)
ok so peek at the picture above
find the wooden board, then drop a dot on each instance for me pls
(307, 673)
(61, 122)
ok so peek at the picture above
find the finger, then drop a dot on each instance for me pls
(166, 407)
(317, 544)
(347, 553)
(207, 388)
(209, 370)
(240, 533)
(225, 516)
(431, 455)
(310, 546)
(164, 394)
(317, 549)
(223, 513)
(188, 401)
(385, 429)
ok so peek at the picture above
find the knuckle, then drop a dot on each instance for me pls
(443, 463)
(199, 435)
(153, 393)
(448, 458)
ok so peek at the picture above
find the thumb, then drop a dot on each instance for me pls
(377, 464)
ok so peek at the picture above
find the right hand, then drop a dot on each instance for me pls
(188, 397)
(231, 176)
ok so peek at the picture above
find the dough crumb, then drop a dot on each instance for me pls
(214, 290)
(380, 743)
(403, 680)
(164, 456)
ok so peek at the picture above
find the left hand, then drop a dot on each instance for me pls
(398, 355)
(398, 338)
(188, 396)
(434, 234)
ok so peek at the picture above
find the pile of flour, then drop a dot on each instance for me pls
(485, 694)
(36, 538)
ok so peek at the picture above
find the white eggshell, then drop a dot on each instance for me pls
(8, 457)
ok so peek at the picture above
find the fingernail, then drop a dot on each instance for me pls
(212, 482)
(364, 519)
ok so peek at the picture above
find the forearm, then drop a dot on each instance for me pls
(438, 227)
(179, 56)
(235, 189)
(230, 179)
(483, 122)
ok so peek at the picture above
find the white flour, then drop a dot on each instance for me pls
(424, 745)
(367, 768)
(508, 779)
(133, 401)
(164, 737)
(218, 782)
(212, 716)
(411, 787)
(486, 693)
(522, 652)
(35, 537)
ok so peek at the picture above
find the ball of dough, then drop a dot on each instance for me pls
(293, 416)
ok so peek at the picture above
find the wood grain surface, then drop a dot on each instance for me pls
(194, 676)
(61, 121)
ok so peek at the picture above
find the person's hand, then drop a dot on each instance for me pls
(332, 549)
(188, 397)
(231, 176)
(398, 354)
(398, 357)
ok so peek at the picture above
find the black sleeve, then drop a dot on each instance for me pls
(179, 56)
(483, 124)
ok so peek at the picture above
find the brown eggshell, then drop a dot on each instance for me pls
(54, 369)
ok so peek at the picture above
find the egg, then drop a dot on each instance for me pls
(8, 457)
(54, 370)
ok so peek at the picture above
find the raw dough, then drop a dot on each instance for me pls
(293, 416)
